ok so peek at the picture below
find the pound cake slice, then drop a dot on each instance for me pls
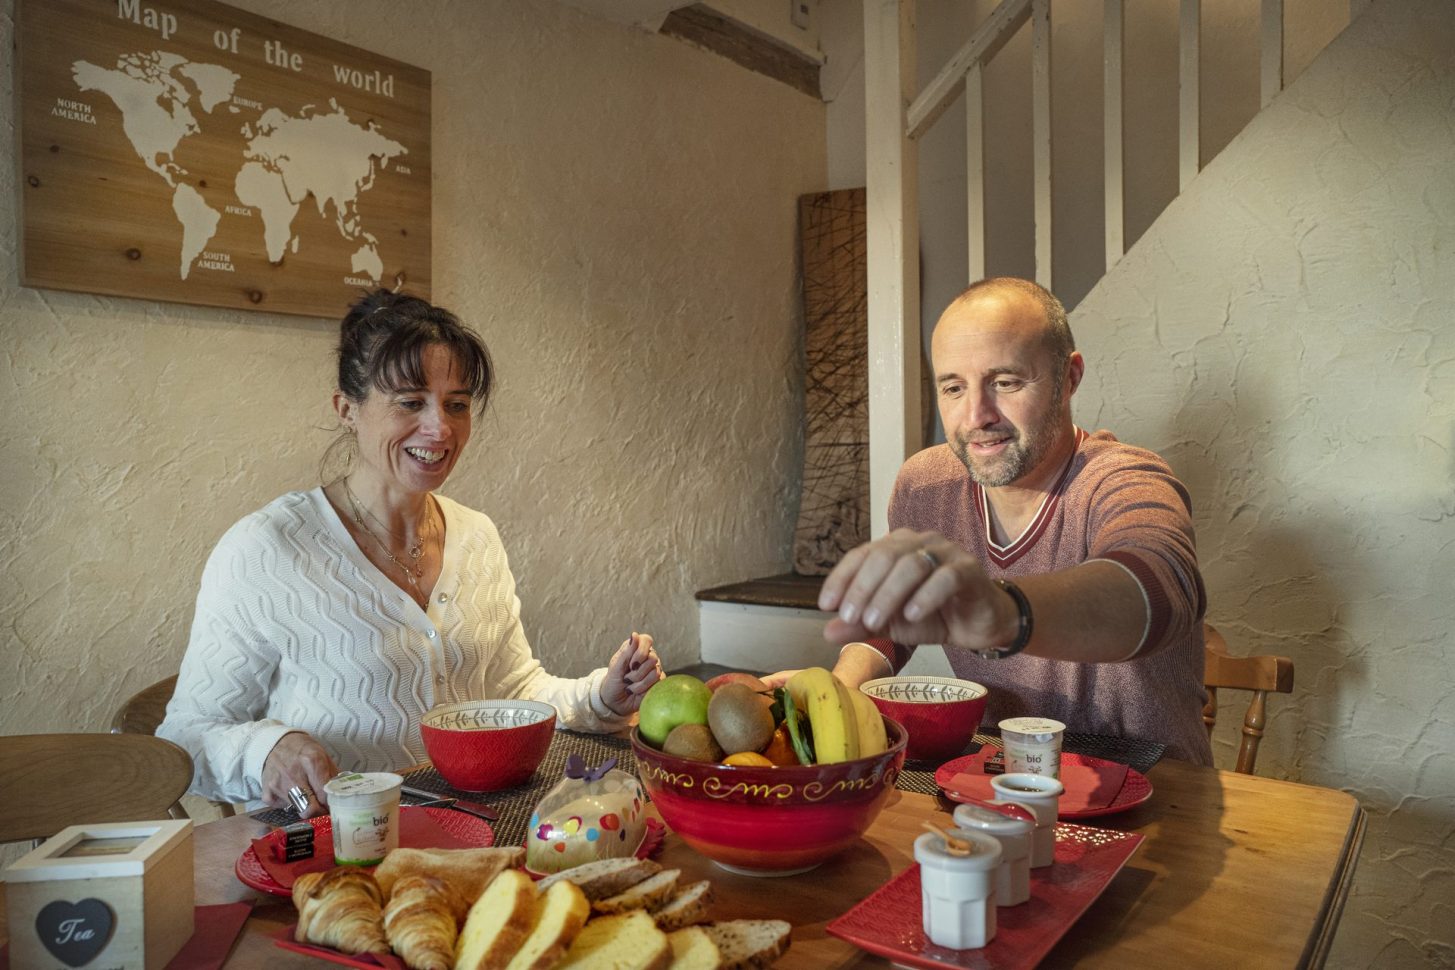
(693, 949)
(498, 923)
(560, 913)
(627, 941)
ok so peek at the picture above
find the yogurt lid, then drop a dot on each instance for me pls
(985, 820)
(362, 783)
(1031, 725)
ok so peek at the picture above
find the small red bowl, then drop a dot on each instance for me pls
(941, 714)
(488, 745)
(769, 821)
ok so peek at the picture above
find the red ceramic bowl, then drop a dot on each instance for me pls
(488, 745)
(769, 821)
(941, 714)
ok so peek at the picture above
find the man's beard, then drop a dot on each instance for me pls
(1022, 453)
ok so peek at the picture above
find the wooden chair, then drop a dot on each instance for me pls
(144, 711)
(55, 780)
(1258, 674)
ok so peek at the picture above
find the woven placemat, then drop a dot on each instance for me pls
(516, 805)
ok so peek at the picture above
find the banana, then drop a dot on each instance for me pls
(873, 739)
(831, 714)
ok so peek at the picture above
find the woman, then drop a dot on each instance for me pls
(330, 621)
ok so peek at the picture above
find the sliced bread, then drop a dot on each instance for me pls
(688, 905)
(747, 943)
(650, 892)
(605, 877)
(498, 923)
(560, 913)
(626, 941)
(693, 949)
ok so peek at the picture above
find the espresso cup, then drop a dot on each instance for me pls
(1042, 797)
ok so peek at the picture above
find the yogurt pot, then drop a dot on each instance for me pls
(364, 810)
(1032, 745)
(1013, 877)
(957, 893)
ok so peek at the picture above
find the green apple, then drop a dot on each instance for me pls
(674, 700)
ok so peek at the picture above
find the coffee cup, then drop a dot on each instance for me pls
(1042, 796)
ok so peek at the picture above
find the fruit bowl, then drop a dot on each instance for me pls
(941, 714)
(488, 745)
(769, 821)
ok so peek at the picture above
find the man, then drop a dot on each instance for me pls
(1056, 567)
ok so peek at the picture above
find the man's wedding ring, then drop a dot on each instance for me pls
(299, 796)
(928, 557)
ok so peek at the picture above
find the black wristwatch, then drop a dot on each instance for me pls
(1023, 634)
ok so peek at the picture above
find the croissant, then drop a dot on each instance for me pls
(340, 908)
(420, 922)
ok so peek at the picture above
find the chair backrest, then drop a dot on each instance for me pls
(145, 710)
(55, 780)
(1259, 674)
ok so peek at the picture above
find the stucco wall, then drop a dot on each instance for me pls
(1284, 336)
(616, 213)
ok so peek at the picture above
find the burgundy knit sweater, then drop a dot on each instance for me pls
(1113, 502)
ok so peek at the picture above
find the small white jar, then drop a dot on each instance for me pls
(957, 893)
(364, 811)
(1013, 877)
(1042, 796)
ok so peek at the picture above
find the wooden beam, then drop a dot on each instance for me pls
(705, 28)
(1111, 94)
(1041, 133)
(998, 28)
(1188, 106)
(892, 214)
(975, 170)
(1271, 51)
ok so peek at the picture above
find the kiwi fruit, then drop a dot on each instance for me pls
(693, 742)
(738, 719)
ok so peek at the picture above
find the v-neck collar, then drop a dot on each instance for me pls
(350, 547)
(1004, 556)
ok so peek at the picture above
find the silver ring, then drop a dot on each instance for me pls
(928, 557)
(299, 796)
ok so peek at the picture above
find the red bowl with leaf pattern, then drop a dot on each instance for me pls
(488, 745)
(941, 714)
(769, 821)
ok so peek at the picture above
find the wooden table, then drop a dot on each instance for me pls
(1236, 870)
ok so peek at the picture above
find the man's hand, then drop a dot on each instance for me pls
(916, 587)
(299, 760)
(633, 669)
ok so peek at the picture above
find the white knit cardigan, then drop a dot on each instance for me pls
(296, 630)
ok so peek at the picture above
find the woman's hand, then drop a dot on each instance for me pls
(299, 760)
(633, 669)
(916, 587)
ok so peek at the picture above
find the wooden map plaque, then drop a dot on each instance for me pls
(190, 152)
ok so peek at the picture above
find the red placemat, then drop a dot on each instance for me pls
(1094, 786)
(890, 922)
(214, 930)
(419, 828)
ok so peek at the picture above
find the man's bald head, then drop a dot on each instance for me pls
(1057, 336)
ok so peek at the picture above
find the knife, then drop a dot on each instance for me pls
(437, 800)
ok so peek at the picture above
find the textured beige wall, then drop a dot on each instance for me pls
(1284, 336)
(615, 211)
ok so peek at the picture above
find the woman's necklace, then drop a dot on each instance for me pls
(412, 570)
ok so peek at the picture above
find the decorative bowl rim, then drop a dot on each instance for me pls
(977, 691)
(538, 712)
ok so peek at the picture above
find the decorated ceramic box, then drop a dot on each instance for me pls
(116, 895)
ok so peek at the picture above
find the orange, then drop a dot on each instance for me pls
(780, 750)
(747, 759)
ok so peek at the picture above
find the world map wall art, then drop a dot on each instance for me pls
(195, 153)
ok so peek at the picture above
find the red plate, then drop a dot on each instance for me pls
(467, 828)
(890, 923)
(1135, 790)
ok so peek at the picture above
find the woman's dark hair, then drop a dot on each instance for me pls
(383, 338)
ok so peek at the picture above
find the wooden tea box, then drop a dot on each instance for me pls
(110, 896)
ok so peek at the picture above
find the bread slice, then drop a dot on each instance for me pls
(605, 877)
(693, 949)
(466, 871)
(651, 891)
(747, 943)
(688, 905)
(497, 924)
(560, 913)
(626, 941)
